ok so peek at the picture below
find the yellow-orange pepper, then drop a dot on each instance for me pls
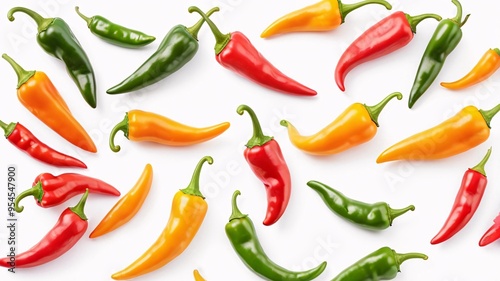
(467, 129)
(321, 16)
(188, 211)
(197, 276)
(141, 125)
(487, 65)
(356, 125)
(126, 208)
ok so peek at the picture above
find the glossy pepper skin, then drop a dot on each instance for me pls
(178, 47)
(23, 139)
(36, 92)
(492, 234)
(126, 208)
(56, 38)
(321, 16)
(197, 276)
(67, 231)
(467, 129)
(235, 52)
(115, 34)
(485, 67)
(383, 264)
(356, 125)
(467, 201)
(188, 212)
(376, 216)
(241, 233)
(141, 125)
(388, 35)
(444, 40)
(49, 190)
(266, 160)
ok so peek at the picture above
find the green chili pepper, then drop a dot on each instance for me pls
(444, 40)
(241, 233)
(178, 47)
(57, 39)
(114, 33)
(383, 264)
(375, 216)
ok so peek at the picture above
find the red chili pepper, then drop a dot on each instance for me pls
(23, 139)
(385, 37)
(235, 52)
(70, 227)
(491, 234)
(468, 198)
(50, 190)
(264, 156)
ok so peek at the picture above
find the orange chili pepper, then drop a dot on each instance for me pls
(37, 93)
(197, 276)
(188, 211)
(126, 208)
(321, 16)
(467, 129)
(487, 65)
(140, 125)
(356, 125)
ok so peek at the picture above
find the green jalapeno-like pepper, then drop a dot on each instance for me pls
(114, 33)
(241, 233)
(56, 38)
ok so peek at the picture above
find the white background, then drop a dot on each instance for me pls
(204, 93)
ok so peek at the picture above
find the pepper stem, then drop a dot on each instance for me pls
(480, 166)
(196, 28)
(458, 17)
(7, 128)
(489, 114)
(497, 51)
(36, 191)
(221, 40)
(78, 209)
(122, 126)
(22, 75)
(84, 17)
(375, 110)
(258, 138)
(415, 20)
(194, 186)
(394, 213)
(345, 9)
(40, 21)
(236, 213)
(401, 258)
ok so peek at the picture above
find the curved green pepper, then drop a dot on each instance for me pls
(241, 233)
(57, 39)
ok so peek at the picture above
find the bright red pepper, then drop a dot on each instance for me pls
(492, 234)
(50, 190)
(266, 160)
(385, 37)
(468, 198)
(235, 52)
(68, 230)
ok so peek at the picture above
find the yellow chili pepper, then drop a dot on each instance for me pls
(126, 208)
(487, 65)
(356, 125)
(467, 129)
(197, 276)
(321, 16)
(188, 211)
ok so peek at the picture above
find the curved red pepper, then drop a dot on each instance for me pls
(467, 201)
(492, 234)
(385, 37)
(49, 190)
(70, 227)
(235, 52)
(266, 160)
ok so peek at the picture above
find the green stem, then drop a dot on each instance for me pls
(236, 213)
(79, 208)
(400, 258)
(489, 114)
(394, 213)
(84, 17)
(465, 20)
(122, 126)
(415, 20)
(7, 128)
(36, 191)
(194, 186)
(22, 75)
(480, 166)
(221, 40)
(458, 17)
(40, 21)
(375, 110)
(345, 9)
(196, 28)
(258, 138)
(497, 51)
